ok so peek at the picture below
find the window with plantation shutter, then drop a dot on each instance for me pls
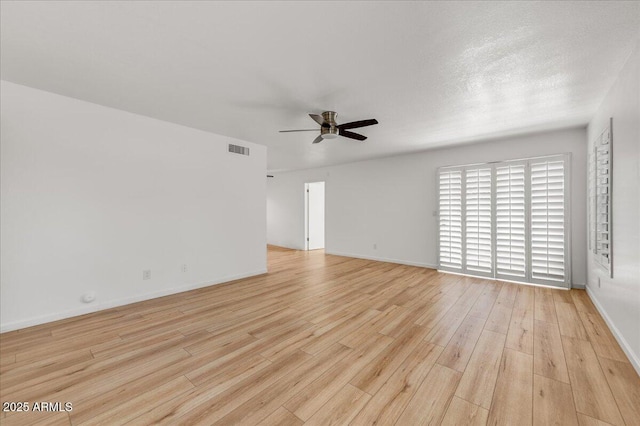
(506, 220)
(477, 221)
(510, 221)
(450, 224)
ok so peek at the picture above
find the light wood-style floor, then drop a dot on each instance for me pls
(324, 339)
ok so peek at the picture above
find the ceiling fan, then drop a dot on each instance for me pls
(329, 129)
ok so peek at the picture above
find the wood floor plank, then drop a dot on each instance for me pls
(601, 337)
(57, 347)
(513, 396)
(310, 399)
(375, 325)
(218, 346)
(545, 309)
(91, 375)
(281, 417)
(457, 353)
(548, 354)
(261, 405)
(341, 408)
(484, 304)
(525, 298)
(625, 386)
(570, 322)
(373, 375)
(507, 295)
(128, 410)
(520, 333)
(591, 392)
(499, 319)
(562, 296)
(582, 301)
(229, 370)
(388, 403)
(584, 420)
(16, 341)
(294, 340)
(442, 331)
(430, 402)
(33, 371)
(552, 403)
(479, 378)
(340, 331)
(208, 404)
(33, 418)
(461, 412)
(7, 360)
(434, 312)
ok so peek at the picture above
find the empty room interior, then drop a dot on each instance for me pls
(320, 212)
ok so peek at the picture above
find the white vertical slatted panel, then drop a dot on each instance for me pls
(450, 219)
(511, 221)
(548, 229)
(477, 221)
(603, 200)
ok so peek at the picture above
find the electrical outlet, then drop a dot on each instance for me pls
(375, 246)
(146, 274)
(184, 268)
(599, 284)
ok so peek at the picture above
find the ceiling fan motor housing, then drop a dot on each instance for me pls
(329, 130)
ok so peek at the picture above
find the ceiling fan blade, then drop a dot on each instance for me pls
(318, 139)
(303, 130)
(319, 119)
(351, 135)
(356, 124)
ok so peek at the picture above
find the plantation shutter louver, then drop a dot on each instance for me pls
(450, 207)
(510, 221)
(548, 220)
(477, 230)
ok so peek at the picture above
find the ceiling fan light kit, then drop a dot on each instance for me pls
(330, 129)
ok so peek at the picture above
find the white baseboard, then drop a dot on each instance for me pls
(633, 357)
(383, 259)
(29, 322)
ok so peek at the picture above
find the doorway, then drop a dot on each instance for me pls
(314, 215)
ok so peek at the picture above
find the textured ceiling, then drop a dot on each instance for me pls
(433, 74)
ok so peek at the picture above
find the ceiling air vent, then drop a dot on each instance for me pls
(237, 149)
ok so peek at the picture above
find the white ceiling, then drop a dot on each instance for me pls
(433, 74)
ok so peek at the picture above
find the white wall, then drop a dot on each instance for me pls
(92, 196)
(390, 202)
(619, 298)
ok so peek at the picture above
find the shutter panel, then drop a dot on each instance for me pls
(450, 223)
(548, 239)
(477, 218)
(510, 221)
(603, 200)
